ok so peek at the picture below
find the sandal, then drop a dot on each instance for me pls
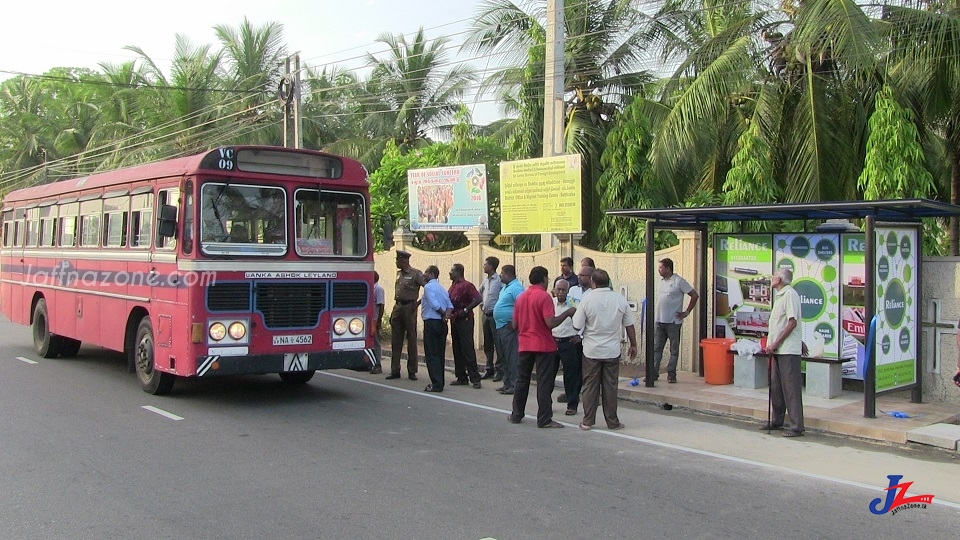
(570, 412)
(585, 427)
(790, 433)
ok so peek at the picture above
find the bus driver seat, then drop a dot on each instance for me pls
(239, 234)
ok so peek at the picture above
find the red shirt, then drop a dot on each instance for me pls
(462, 294)
(534, 306)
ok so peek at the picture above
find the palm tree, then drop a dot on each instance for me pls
(603, 47)
(190, 102)
(252, 63)
(808, 90)
(925, 65)
(411, 84)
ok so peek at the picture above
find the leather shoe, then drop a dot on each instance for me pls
(570, 412)
(376, 371)
(477, 385)
(514, 420)
(507, 391)
(487, 375)
(459, 382)
(393, 376)
(562, 398)
(552, 424)
(619, 425)
(412, 376)
(497, 378)
(430, 388)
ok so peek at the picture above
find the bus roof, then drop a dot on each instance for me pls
(349, 169)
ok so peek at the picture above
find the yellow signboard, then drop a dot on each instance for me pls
(540, 195)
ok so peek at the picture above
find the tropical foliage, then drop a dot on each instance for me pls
(688, 102)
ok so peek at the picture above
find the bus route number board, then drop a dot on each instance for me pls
(300, 339)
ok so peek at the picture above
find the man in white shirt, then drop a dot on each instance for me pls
(600, 316)
(669, 317)
(490, 291)
(785, 344)
(586, 284)
(569, 348)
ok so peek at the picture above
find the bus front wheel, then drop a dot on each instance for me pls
(69, 347)
(296, 377)
(152, 380)
(47, 343)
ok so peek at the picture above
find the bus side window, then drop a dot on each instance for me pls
(19, 215)
(188, 213)
(33, 227)
(115, 212)
(166, 197)
(90, 223)
(142, 217)
(8, 228)
(48, 226)
(68, 224)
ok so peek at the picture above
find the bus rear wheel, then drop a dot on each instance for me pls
(152, 380)
(296, 377)
(47, 343)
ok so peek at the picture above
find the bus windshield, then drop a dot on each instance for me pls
(242, 219)
(330, 223)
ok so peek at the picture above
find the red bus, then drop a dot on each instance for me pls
(240, 260)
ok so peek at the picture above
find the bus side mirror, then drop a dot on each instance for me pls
(167, 227)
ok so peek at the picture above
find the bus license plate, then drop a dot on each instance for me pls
(300, 339)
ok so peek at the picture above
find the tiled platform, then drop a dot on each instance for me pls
(841, 415)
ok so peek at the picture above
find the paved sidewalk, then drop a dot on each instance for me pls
(928, 423)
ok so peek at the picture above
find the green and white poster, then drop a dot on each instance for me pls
(742, 293)
(895, 282)
(815, 262)
(853, 328)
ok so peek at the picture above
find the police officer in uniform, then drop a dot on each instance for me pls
(403, 318)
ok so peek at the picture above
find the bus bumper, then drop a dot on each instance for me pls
(275, 363)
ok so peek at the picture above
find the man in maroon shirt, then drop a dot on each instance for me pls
(465, 297)
(533, 318)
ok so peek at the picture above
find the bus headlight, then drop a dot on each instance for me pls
(217, 331)
(237, 330)
(340, 327)
(356, 326)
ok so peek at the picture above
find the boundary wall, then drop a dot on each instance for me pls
(940, 285)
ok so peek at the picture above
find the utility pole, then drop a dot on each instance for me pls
(553, 113)
(289, 94)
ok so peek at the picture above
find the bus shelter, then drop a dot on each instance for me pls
(890, 269)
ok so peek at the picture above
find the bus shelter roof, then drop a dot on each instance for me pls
(899, 210)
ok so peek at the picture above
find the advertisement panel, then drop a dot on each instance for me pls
(539, 196)
(815, 262)
(853, 328)
(742, 293)
(447, 198)
(895, 282)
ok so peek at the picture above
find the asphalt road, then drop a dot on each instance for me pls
(350, 456)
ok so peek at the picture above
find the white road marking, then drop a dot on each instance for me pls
(649, 441)
(162, 412)
(27, 360)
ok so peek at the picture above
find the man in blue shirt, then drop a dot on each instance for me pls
(507, 344)
(435, 308)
